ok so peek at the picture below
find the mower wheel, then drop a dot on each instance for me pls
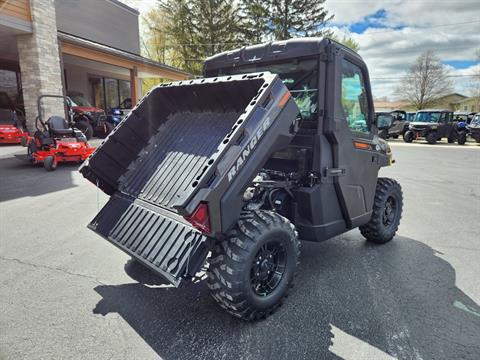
(49, 163)
(395, 136)
(451, 139)
(383, 134)
(24, 141)
(462, 138)
(85, 128)
(408, 136)
(431, 138)
(387, 212)
(253, 268)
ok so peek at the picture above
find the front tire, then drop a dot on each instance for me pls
(49, 163)
(462, 138)
(387, 212)
(85, 128)
(108, 127)
(431, 138)
(252, 270)
(408, 136)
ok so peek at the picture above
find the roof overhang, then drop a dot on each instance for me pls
(73, 45)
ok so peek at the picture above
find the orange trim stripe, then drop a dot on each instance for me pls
(284, 99)
(362, 146)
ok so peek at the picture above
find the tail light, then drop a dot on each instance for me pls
(200, 218)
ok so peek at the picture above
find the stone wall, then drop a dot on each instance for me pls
(40, 62)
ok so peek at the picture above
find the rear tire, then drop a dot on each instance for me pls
(31, 150)
(431, 138)
(462, 138)
(49, 163)
(387, 212)
(108, 129)
(85, 128)
(408, 136)
(252, 270)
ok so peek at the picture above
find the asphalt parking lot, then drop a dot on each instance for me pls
(67, 294)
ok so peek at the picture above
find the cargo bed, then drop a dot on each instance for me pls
(185, 144)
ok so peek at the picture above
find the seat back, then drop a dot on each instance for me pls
(57, 123)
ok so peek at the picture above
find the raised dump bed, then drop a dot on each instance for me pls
(178, 164)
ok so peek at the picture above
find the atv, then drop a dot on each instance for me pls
(383, 118)
(432, 125)
(119, 112)
(227, 173)
(474, 128)
(55, 141)
(91, 120)
(399, 125)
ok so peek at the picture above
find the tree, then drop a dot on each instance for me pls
(425, 82)
(215, 26)
(254, 20)
(347, 41)
(178, 27)
(474, 86)
(297, 18)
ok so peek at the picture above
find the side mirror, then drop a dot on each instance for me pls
(383, 121)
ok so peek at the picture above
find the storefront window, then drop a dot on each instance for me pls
(125, 92)
(111, 93)
(98, 96)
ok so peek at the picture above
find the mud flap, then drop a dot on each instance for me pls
(168, 246)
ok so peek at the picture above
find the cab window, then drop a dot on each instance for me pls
(354, 97)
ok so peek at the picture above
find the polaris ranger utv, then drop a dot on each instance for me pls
(433, 125)
(277, 144)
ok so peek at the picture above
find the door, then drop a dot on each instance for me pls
(446, 124)
(351, 133)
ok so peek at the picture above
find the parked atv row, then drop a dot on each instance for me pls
(434, 125)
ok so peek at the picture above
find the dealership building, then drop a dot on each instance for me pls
(90, 47)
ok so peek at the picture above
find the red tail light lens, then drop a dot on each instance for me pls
(200, 219)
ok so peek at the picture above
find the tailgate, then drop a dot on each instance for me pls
(168, 246)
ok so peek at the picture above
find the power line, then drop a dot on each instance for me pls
(413, 78)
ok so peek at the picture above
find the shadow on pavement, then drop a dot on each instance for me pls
(20, 178)
(400, 298)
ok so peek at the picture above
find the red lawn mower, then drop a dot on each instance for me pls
(55, 140)
(11, 130)
(12, 121)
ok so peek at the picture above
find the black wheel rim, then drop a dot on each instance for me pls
(268, 268)
(389, 212)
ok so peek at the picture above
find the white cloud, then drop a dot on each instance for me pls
(389, 52)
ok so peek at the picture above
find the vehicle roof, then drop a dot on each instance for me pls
(272, 51)
(434, 110)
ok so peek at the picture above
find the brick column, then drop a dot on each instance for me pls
(39, 62)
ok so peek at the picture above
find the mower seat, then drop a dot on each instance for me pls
(58, 126)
